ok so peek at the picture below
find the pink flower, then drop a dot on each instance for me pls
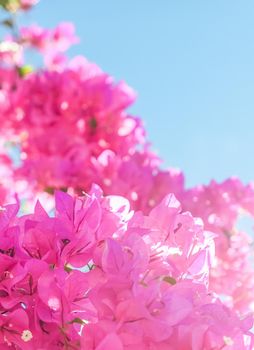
(220, 205)
(63, 36)
(14, 330)
(11, 53)
(141, 281)
(58, 39)
(27, 4)
(96, 274)
(35, 36)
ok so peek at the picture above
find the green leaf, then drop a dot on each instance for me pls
(4, 3)
(93, 123)
(8, 22)
(49, 190)
(24, 71)
(10, 5)
(63, 189)
(78, 320)
(169, 280)
(68, 268)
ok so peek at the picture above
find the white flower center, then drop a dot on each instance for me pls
(228, 341)
(26, 335)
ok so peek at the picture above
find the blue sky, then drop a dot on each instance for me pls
(192, 64)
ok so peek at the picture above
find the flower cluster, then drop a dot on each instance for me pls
(51, 43)
(82, 115)
(97, 276)
(131, 270)
(220, 206)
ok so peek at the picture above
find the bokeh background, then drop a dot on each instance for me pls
(192, 65)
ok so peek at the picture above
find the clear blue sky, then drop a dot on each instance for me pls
(192, 64)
